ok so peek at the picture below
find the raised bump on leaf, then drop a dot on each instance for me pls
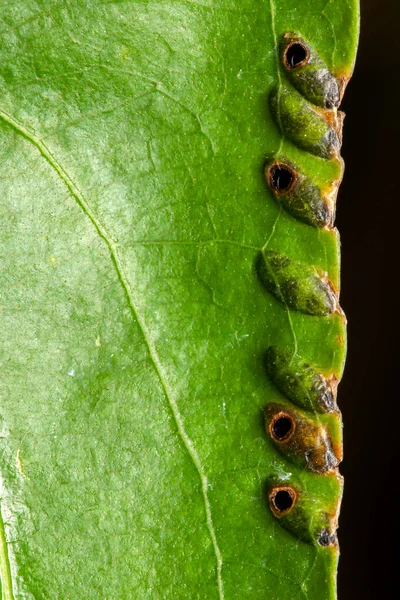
(297, 285)
(299, 381)
(298, 195)
(307, 443)
(309, 519)
(309, 129)
(310, 76)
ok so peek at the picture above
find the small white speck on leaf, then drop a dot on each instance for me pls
(98, 341)
(284, 476)
(71, 372)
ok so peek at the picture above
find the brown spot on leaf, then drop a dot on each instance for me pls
(340, 340)
(342, 81)
(303, 440)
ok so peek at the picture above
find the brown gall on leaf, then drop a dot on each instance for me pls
(299, 382)
(309, 519)
(335, 120)
(302, 440)
(299, 195)
(327, 281)
(297, 285)
(312, 129)
(330, 191)
(308, 72)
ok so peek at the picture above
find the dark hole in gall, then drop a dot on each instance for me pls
(296, 55)
(283, 500)
(282, 427)
(281, 178)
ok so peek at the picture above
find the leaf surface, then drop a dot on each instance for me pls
(134, 455)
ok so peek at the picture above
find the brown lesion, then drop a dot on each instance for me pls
(313, 520)
(329, 193)
(287, 182)
(303, 441)
(309, 73)
(342, 81)
(337, 447)
(333, 382)
(333, 291)
(335, 119)
(301, 196)
(327, 536)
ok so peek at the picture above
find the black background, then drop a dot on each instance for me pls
(368, 221)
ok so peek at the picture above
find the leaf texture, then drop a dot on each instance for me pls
(135, 459)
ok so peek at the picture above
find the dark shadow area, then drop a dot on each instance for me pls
(368, 220)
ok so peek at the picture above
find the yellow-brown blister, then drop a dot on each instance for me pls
(305, 441)
(310, 519)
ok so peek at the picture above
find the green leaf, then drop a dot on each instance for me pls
(136, 460)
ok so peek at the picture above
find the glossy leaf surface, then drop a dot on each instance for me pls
(135, 462)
